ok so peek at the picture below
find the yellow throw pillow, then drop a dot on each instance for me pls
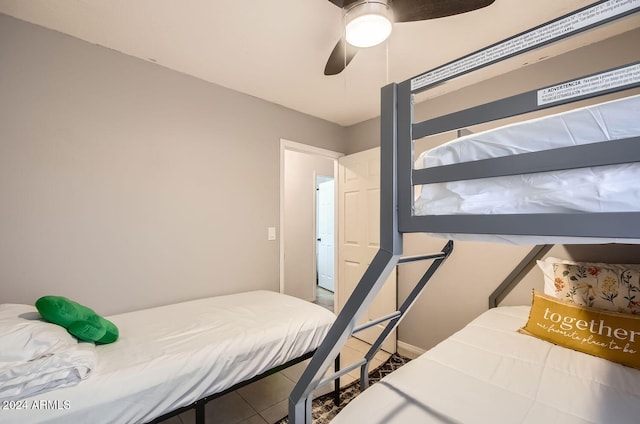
(610, 335)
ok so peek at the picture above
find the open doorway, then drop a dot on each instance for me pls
(325, 241)
(301, 169)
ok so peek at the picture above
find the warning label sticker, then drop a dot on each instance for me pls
(528, 40)
(580, 87)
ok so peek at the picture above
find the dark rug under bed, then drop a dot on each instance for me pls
(324, 409)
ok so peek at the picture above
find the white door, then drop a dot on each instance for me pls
(325, 234)
(359, 237)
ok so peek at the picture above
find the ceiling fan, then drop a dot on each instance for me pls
(381, 13)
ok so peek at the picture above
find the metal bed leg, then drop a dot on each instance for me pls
(300, 412)
(336, 382)
(364, 376)
(200, 412)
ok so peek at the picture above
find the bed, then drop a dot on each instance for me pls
(445, 192)
(495, 371)
(609, 188)
(170, 358)
(490, 373)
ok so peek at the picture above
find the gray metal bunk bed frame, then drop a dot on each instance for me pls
(398, 132)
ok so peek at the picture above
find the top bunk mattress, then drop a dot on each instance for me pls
(611, 188)
(490, 373)
(170, 356)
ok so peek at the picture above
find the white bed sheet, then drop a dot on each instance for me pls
(490, 373)
(171, 356)
(597, 189)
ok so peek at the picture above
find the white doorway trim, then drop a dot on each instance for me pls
(302, 148)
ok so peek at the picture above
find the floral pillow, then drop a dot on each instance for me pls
(611, 287)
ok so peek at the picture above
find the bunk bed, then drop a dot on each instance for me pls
(167, 360)
(489, 372)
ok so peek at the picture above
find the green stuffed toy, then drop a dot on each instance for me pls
(79, 320)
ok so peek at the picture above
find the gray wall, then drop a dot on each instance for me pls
(460, 290)
(125, 185)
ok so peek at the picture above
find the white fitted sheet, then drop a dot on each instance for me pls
(171, 356)
(489, 373)
(597, 189)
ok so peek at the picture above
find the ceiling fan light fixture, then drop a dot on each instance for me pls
(368, 23)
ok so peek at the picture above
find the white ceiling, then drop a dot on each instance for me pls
(276, 49)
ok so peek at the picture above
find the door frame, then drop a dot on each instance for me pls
(311, 150)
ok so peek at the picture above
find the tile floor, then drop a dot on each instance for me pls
(324, 298)
(266, 401)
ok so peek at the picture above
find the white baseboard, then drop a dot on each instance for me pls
(410, 351)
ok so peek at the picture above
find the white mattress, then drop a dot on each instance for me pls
(490, 373)
(597, 189)
(171, 356)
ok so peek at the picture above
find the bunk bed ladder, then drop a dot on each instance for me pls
(395, 318)
(345, 326)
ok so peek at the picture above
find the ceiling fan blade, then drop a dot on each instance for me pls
(420, 10)
(343, 3)
(339, 58)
